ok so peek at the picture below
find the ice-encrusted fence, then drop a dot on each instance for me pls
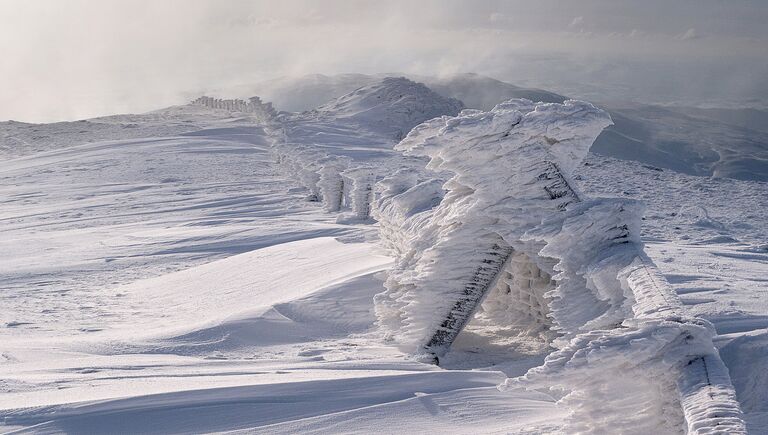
(253, 105)
(335, 181)
(361, 179)
(509, 232)
(509, 235)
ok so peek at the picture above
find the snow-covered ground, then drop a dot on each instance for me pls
(175, 279)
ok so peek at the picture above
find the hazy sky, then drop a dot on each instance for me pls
(69, 59)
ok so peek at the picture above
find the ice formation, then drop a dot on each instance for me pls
(362, 179)
(331, 182)
(302, 163)
(510, 232)
(489, 204)
(253, 105)
(318, 172)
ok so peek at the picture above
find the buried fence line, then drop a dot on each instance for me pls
(331, 180)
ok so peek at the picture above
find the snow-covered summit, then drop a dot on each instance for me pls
(482, 92)
(392, 106)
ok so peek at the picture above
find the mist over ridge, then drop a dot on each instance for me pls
(82, 59)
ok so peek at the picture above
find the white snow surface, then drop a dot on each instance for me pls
(171, 277)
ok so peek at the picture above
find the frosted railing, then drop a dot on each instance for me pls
(510, 221)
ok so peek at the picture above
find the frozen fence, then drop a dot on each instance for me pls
(333, 180)
(362, 179)
(253, 105)
(332, 183)
(509, 234)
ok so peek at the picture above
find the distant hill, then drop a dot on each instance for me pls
(481, 92)
(391, 106)
(297, 94)
(668, 138)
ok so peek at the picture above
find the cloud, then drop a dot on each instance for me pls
(577, 22)
(74, 59)
(689, 34)
(497, 17)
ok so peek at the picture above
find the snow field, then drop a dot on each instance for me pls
(179, 284)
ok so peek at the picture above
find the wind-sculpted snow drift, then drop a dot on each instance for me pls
(509, 232)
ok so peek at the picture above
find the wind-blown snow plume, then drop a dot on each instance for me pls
(512, 223)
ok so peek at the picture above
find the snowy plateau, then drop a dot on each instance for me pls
(381, 254)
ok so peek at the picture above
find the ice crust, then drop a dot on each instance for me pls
(510, 226)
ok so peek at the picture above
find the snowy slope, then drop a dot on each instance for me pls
(179, 282)
(392, 106)
(356, 129)
(668, 138)
(482, 92)
(223, 345)
(297, 94)
(19, 138)
(82, 218)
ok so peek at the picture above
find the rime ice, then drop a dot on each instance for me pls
(511, 229)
